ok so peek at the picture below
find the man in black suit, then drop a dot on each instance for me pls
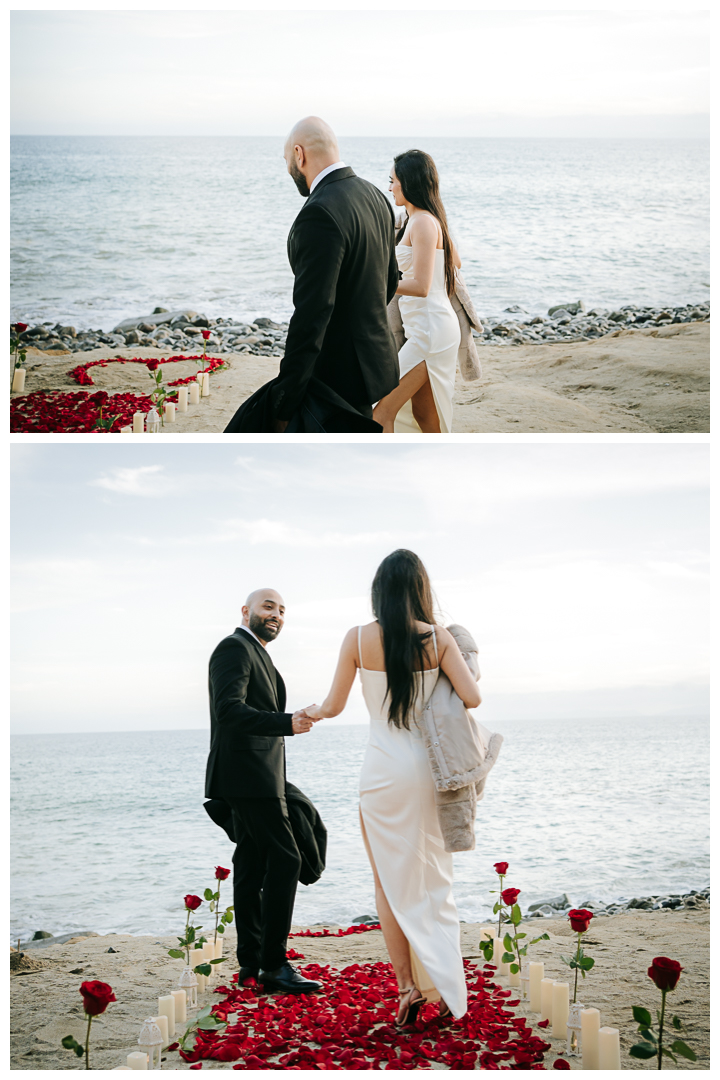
(342, 251)
(246, 768)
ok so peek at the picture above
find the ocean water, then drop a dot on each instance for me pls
(109, 832)
(106, 228)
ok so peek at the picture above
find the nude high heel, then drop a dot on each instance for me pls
(408, 1011)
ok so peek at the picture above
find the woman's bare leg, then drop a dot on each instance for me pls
(396, 943)
(388, 407)
(425, 410)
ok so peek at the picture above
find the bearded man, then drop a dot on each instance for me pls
(342, 252)
(246, 769)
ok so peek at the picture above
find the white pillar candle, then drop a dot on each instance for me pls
(608, 1048)
(514, 979)
(560, 1009)
(537, 971)
(218, 947)
(166, 1007)
(590, 1019)
(162, 1023)
(182, 402)
(138, 422)
(194, 393)
(546, 996)
(138, 1059)
(206, 384)
(180, 1006)
(202, 982)
(127, 430)
(18, 382)
(169, 411)
(498, 950)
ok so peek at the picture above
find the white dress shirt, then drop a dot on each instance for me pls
(326, 172)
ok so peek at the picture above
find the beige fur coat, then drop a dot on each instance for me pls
(461, 753)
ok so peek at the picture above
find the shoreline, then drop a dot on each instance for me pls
(46, 1005)
(266, 337)
(552, 907)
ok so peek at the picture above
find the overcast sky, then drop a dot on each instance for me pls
(417, 72)
(581, 570)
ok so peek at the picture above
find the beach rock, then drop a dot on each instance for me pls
(201, 321)
(364, 919)
(40, 934)
(558, 903)
(111, 949)
(160, 311)
(154, 319)
(542, 912)
(263, 322)
(561, 317)
(516, 309)
(61, 939)
(641, 903)
(571, 309)
(132, 337)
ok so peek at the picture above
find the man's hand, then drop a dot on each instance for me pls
(301, 721)
(280, 426)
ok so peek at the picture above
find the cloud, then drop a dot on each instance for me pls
(143, 481)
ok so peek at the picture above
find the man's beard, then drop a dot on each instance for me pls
(300, 182)
(260, 629)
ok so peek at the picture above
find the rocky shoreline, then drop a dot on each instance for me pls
(181, 331)
(696, 899)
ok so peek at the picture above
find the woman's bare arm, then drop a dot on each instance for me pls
(342, 682)
(424, 245)
(457, 671)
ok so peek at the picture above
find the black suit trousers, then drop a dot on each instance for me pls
(266, 870)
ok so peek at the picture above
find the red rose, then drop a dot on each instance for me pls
(153, 365)
(221, 873)
(96, 997)
(205, 334)
(509, 896)
(664, 973)
(192, 903)
(501, 868)
(561, 1063)
(580, 919)
(20, 327)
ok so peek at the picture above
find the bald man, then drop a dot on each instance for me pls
(342, 252)
(246, 768)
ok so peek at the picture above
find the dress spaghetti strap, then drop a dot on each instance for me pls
(360, 648)
(437, 658)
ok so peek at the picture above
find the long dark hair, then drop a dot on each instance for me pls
(401, 596)
(420, 185)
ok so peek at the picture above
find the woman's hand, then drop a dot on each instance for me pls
(314, 712)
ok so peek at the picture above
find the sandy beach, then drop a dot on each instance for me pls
(46, 1005)
(631, 380)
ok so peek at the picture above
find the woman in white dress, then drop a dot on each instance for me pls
(427, 257)
(399, 657)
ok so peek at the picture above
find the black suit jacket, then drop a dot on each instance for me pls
(247, 722)
(321, 410)
(342, 251)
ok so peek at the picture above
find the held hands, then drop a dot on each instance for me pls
(302, 720)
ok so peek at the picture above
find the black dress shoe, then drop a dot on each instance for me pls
(287, 980)
(247, 973)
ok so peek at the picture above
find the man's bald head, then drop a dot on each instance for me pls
(310, 147)
(264, 613)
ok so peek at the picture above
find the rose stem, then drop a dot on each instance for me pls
(217, 909)
(660, 1034)
(577, 964)
(87, 1044)
(501, 902)
(187, 945)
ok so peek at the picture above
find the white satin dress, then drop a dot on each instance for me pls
(401, 829)
(432, 334)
